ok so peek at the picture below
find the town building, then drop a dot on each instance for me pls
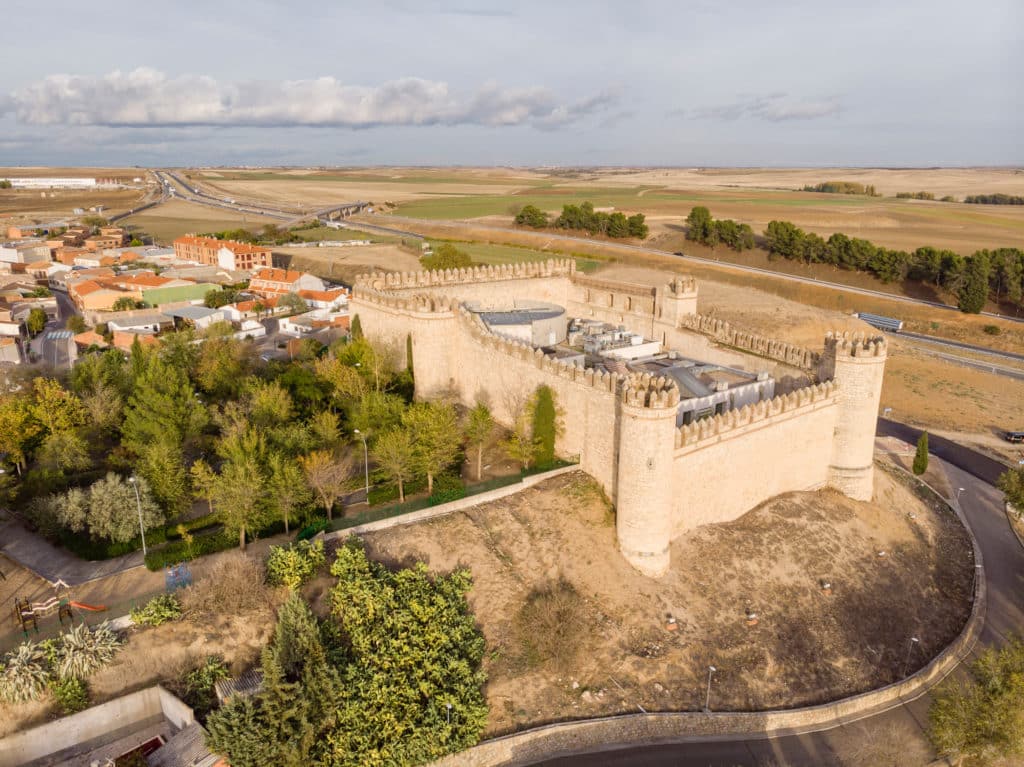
(226, 254)
(24, 251)
(277, 282)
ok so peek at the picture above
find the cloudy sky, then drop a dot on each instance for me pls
(428, 82)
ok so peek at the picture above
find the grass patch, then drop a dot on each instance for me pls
(550, 626)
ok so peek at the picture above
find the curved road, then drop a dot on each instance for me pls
(1003, 556)
(697, 259)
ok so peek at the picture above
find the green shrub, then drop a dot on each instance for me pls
(83, 650)
(23, 674)
(992, 330)
(71, 695)
(318, 525)
(447, 488)
(921, 456)
(183, 551)
(158, 610)
(389, 492)
(198, 686)
(294, 564)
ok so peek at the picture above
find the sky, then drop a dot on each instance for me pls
(473, 82)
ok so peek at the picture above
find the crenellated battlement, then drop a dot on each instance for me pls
(765, 410)
(422, 303)
(647, 391)
(553, 267)
(856, 345)
(622, 288)
(772, 348)
(682, 286)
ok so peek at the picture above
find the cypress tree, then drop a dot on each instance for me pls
(408, 353)
(544, 427)
(921, 457)
(357, 328)
(974, 289)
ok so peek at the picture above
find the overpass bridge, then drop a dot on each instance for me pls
(344, 210)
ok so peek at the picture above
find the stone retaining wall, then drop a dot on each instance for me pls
(607, 733)
(445, 509)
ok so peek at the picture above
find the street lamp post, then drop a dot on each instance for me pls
(958, 491)
(707, 696)
(910, 650)
(366, 463)
(138, 503)
(448, 713)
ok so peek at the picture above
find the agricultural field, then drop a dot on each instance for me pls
(176, 218)
(42, 206)
(572, 631)
(346, 263)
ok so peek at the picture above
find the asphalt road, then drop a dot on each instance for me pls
(1003, 557)
(959, 345)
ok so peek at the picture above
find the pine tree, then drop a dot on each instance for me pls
(545, 427)
(974, 289)
(921, 457)
(162, 407)
(356, 330)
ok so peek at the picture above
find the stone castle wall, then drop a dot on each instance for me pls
(663, 479)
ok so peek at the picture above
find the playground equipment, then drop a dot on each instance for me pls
(27, 614)
(177, 576)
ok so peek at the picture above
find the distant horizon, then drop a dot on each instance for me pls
(643, 166)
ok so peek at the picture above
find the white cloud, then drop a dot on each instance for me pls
(147, 97)
(774, 107)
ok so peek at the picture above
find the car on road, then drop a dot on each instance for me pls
(1017, 437)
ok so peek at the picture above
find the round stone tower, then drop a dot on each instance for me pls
(857, 363)
(643, 497)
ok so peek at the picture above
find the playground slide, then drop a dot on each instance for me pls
(90, 608)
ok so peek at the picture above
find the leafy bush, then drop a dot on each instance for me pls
(294, 564)
(23, 674)
(183, 550)
(83, 650)
(71, 695)
(550, 626)
(318, 525)
(387, 493)
(447, 487)
(158, 610)
(992, 330)
(198, 687)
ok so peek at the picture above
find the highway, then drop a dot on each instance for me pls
(412, 222)
(1003, 559)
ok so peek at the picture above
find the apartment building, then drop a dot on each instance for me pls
(227, 254)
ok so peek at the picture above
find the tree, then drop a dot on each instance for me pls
(294, 303)
(1011, 482)
(446, 256)
(393, 451)
(784, 239)
(114, 508)
(921, 456)
(215, 299)
(545, 426)
(479, 429)
(105, 407)
(434, 430)
(412, 674)
(982, 718)
(376, 412)
(408, 353)
(287, 491)
(18, 430)
(270, 404)
(973, 291)
(36, 321)
(532, 216)
(637, 226)
(76, 324)
(699, 225)
(163, 407)
(520, 444)
(224, 362)
(325, 430)
(240, 493)
(162, 465)
(64, 451)
(356, 329)
(55, 408)
(328, 474)
(124, 304)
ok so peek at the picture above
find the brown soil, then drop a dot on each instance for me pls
(177, 218)
(29, 206)
(807, 647)
(344, 264)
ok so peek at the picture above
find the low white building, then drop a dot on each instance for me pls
(24, 251)
(250, 329)
(139, 321)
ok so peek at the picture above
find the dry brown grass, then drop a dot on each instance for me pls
(176, 218)
(234, 585)
(344, 264)
(808, 646)
(29, 206)
(549, 626)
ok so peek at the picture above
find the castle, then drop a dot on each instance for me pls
(816, 430)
